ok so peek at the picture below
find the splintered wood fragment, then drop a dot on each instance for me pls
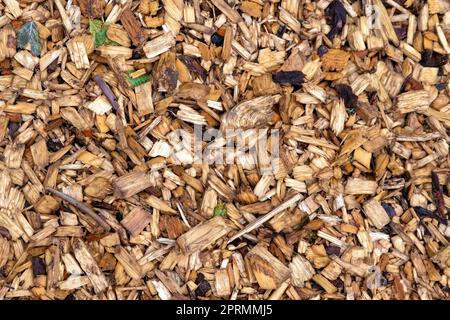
(268, 270)
(315, 142)
(362, 156)
(159, 204)
(25, 58)
(130, 184)
(65, 19)
(52, 260)
(133, 27)
(78, 53)
(51, 56)
(155, 254)
(13, 8)
(419, 137)
(261, 220)
(129, 263)
(189, 115)
(14, 230)
(442, 257)
(136, 220)
(290, 20)
(376, 213)
(159, 45)
(21, 107)
(331, 239)
(231, 14)
(23, 73)
(109, 51)
(46, 205)
(301, 270)
(410, 52)
(227, 41)
(4, 251)
(338, 117)
(401, 150)
(163, 292)
(144, 98)
(353, 269)
(100, 105)
(7, 35)
(73, 282)
(73, 116)
(360, 186)
(40, 153)
(82, 207)
(13, 154)
(443, 38)
(222, 283)
(418, 100)
(203, 235)
(117, 34)
(89, 266)
(324, 283)
(385, 22)
(253, 113)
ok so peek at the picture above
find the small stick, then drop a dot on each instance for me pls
(82, 207)
(255, 224)
(107, 91)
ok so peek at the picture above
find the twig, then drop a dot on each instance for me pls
(255, 224)
(81, 206)
(107, 92)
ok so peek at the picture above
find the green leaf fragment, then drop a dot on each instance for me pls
(98, 31)
(139, 80)
(220, 210)
(95, 26)
(28, 34)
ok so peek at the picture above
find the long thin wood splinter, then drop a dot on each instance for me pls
(255, 224)
(84, 208)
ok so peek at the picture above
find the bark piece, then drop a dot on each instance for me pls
(133, 27)
(159, 45)
(92, 8)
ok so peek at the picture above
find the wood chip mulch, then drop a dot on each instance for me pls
(102, 198)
